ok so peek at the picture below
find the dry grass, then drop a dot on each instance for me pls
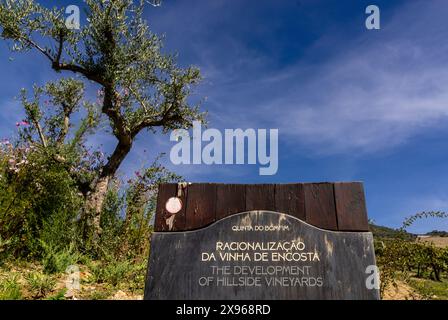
(441, 242)
(400, 291)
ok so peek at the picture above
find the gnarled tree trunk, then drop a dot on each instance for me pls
(95, 198)
(94, 204)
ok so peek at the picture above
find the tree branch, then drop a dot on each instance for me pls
(150, 122)
(122, 132)
(39, 48)
(57, 65)
(138, 98)
(120, 152)
(41, 134)
(66, 125)
(61, 44)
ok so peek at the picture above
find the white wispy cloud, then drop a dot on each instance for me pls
(378, 90)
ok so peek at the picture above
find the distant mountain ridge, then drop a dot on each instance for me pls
(437, 233)
(386, 232)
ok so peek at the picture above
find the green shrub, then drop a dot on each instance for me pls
(111, 273)
(430, 289)
(10, 288)
(60, 295)
(136, 278)
(126, 274)
(401, 256)
(55, 261)
(39, 284)
(3, 249)
(38, 202)
(100, 295)
(111, 224)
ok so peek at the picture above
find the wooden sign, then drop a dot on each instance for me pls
(293, 241)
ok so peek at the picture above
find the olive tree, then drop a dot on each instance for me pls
(140, 86)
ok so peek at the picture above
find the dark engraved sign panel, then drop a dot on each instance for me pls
(260, 255)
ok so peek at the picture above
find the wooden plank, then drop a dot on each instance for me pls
(290, 199)
(230, 199)
(320, 205)
(350, 206)
(339, 206)
(260, 197)
(180, 219)
(201, 201)
(166, 191)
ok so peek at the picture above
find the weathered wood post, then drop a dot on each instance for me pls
(266, 241)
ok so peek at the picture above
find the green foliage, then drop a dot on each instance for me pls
(40, 284)
(137, 277)
(60, 295)
(141, 198)
(10, 288)
(112, 272)
(56, 261)
(139, 87)
(403, 256)
(429, 289)
(42, 195)
(127, 213)
(100, 295)
(112, 222)
(49, 177)
(142, 87)
(4, 244)
(389, 233)
(38, 199)
(41, 219)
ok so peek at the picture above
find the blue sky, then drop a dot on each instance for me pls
(349, 103)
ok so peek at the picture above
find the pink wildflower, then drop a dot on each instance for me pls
(22, 123)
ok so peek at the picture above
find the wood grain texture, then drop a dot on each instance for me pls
(180, 217)
(260, 197)
(230, 199)
(290, 199)
(166, 191)
(319, 205)
(200, 209)
(351, 206)
(332, 206)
